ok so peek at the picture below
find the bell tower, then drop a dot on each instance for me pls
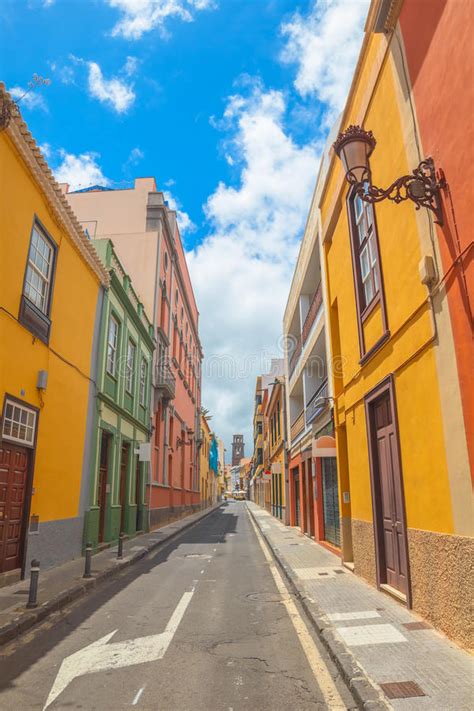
(237, 449)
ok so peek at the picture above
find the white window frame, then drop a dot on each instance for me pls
(143, 379)
(129, 375)
(112, 346)
(17, 417)
(39, 271)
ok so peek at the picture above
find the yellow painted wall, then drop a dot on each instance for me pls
(424, 467)
(62, 419)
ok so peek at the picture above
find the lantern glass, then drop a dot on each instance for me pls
(355, 158)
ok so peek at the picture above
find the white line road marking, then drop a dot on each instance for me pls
(318, 667)
(137, 697)
(100, 656)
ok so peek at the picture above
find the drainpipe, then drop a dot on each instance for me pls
(285, 457)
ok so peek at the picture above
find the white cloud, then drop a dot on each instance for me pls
(185, 223)
(242, 271)
(32, 100)
(140, 16)
(115, 92)
(131, 66)
(80, 171)
(325, 45)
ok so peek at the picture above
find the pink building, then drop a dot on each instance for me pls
(146, 237)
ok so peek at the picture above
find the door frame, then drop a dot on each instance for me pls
(386, 386)
(29, 476)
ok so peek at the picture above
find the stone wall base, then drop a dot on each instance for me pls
(441, 576)
(442, 581)
(363, 547)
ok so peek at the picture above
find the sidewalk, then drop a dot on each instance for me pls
(388, 655)
(61, 585)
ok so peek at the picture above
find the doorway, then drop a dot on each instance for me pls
(387, 490)
(331, 518)
(124, 459)
(14, 462)
(103, 482)
(138, 494)
(296, 494)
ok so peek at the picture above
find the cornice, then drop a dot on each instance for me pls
(30, 153)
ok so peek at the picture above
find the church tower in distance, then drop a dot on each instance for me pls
(237, 449)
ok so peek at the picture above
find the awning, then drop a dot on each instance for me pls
(324, 446)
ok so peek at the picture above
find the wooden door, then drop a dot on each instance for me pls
(296, 489)
(13, 482)
(123, 483)
(392, 541)
(309, 497)
(102, 484)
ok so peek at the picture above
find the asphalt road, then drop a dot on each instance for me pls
(205, 624)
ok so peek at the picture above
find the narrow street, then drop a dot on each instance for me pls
(219, 600)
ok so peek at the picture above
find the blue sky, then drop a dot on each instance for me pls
(227, 103)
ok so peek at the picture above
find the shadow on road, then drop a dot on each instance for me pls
(20, 655)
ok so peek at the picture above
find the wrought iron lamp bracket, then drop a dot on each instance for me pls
(421, 187)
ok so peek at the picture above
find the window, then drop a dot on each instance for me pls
(176, 296)
(112, 343)
(166, 261)
(39, 270)
(18, 423)
(143, 379)
(131, 349)
(366, 246)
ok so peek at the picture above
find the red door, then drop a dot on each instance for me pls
(103, 476)
(13, 480)
(123, 483)
(393, 560)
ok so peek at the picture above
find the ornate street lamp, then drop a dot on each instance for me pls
(354, 147)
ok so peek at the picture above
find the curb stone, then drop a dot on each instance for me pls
(23, 622)
(365, 692)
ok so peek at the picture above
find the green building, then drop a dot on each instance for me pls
(119, 456)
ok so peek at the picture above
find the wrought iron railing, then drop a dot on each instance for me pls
(164, 379)
(313, 311)
(317, 403)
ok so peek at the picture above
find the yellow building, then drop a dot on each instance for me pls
(404, 488)
(50, 289)
(206, 477)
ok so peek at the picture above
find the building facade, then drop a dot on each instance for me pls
(147, 240)
(397, 288)
(120, 464)
(48, 346)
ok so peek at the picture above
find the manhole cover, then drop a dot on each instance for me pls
(402, 689)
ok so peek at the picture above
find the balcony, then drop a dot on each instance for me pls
(294, 358)
(165, 382)
(297, 427)
(318, 402)
(313, 311)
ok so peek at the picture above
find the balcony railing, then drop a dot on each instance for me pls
(312, 313)
(318, 402)
(165, 381)
(297, 427)
(294, 357)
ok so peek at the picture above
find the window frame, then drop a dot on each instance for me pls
(129, 373)
(29, 411)
(34, 318)
(143, 381)
(112, 317)
(365, 309)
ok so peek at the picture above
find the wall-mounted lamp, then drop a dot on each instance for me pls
(354, 147)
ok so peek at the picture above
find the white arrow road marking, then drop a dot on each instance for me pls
(99, 655)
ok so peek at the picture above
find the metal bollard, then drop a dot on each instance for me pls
(120, 546)
(88, 561)
(34, 576)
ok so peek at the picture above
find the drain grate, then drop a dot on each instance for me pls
(402, 689)
(322, 573)
(339, 572)
(417, 626)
